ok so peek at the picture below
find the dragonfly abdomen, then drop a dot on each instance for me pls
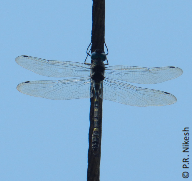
(95, 140)
(96, 135)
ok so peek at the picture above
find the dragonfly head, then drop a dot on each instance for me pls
(98, 55)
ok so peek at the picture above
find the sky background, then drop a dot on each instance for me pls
(46, 140)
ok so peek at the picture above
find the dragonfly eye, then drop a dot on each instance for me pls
(98, 56)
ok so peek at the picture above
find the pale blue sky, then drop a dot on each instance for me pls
(45, 140)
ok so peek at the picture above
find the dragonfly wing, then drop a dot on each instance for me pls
(124, 93)
(143, 75)
(57, 90)
(53, 68)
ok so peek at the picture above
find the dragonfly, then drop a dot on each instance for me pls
(97, 80)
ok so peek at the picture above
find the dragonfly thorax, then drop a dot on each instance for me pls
(97, 70)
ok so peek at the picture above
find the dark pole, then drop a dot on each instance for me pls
(98, 25)
(97, 40)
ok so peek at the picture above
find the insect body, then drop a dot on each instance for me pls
(97, 76)
(97, 81)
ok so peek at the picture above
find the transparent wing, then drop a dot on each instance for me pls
(57, 90)
(53, 68)
(143, 75)
(124, 93)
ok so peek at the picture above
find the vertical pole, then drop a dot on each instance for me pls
(98, 25)
(97, 40)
